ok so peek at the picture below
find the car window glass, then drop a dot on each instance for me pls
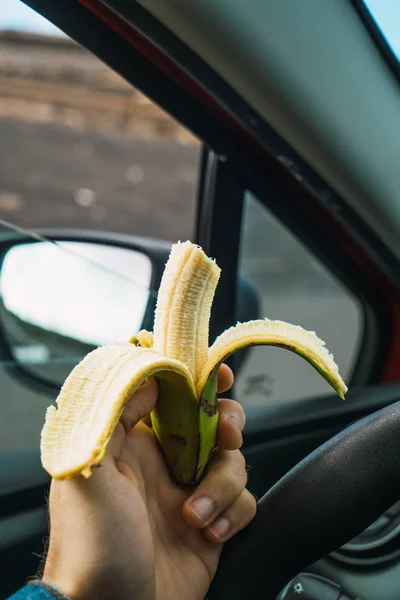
(292, 286)
(387, 16)
(79, 147)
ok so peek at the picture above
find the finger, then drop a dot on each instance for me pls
(144, 403)
(138, 407)
(140, 404)
(225, 382)
(225, 379)
(224, 482)
(237, 516)
(230, 425)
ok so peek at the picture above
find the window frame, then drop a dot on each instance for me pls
(246, 154)
(377, 36)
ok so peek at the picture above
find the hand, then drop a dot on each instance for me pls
(128, 532)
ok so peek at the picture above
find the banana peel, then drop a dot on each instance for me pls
(77, 430)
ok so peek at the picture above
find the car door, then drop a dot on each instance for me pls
(263, 214)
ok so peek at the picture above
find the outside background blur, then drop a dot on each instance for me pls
(79, 147)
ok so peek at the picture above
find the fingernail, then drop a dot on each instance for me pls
(202, 508)
(221, 527)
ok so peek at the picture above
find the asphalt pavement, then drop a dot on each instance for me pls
(65, 177)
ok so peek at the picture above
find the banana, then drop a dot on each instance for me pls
(77, 430)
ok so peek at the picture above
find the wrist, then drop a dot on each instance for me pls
(54, 591)
(92, 585)
(68, 571)
(66, 576)
(53, 580)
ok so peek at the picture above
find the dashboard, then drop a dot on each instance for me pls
(366, 568)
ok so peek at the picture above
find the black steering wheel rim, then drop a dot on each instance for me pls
(326, 500)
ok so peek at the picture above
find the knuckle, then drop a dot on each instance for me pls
(236, 475)
(225, 405)
(240, 416)
(241, 412)
(251, 506)
(245, 509)
(228, 473)
(231, 484)
(240, 465)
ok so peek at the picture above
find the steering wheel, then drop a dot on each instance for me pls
(326, 500)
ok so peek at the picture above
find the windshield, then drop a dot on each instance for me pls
(19, 17)
(386, 14)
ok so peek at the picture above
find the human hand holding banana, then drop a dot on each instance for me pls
(132, 532)
(128, 532)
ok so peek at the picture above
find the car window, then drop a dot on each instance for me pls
(386, 13)
(79, 147)
(292, 286)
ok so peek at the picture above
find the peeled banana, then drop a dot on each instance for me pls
(76, 432)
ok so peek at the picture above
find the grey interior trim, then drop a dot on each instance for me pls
(312, 71)
(21, 470)
(22, 526)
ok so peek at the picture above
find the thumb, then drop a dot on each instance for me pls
(139, 405)
(97, 490)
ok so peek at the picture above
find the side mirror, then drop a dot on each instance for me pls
(60, 301)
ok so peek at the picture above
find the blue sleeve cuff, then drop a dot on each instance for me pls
(35, 592)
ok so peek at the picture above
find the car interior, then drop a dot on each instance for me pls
(296, 106)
